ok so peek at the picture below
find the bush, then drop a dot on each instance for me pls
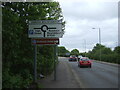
(107, 54)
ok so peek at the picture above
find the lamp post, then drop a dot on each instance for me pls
(99, 40)
(85, 47)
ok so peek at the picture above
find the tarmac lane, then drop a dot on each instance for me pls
(99, 76)
(69, 75)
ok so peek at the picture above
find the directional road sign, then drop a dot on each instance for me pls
(45, 29)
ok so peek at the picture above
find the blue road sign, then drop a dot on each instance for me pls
(31, 32)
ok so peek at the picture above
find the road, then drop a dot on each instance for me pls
(99, 76)
(69, 75)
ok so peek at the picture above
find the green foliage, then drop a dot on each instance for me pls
(106, 50)
(45, 59)
(107, 54)
(74, 52)
(62, 51)
(17, 50)
(117, 50)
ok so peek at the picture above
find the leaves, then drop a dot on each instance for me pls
(74, 52)
(17, 48)
(106, 54)
(62, 51)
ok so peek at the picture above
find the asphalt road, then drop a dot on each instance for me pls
(69, 75)
(101, 75)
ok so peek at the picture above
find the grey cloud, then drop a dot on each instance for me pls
(82, 10)
(81, 17)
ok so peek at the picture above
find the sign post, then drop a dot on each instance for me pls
(35, 63)
(45, 32)
(55, 60)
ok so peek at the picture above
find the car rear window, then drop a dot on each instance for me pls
(84, 59)
(72, 56)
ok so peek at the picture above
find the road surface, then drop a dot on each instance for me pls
(99, 76)
(69, 75)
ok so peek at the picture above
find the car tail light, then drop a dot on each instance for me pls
(80, 61)
(89, 61)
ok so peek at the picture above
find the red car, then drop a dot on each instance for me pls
(84, 61)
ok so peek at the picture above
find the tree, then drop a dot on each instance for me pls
(75, 52)
(17, 48)
(117, 54)
(106, 53)
(62, 51)
(117, 49)
(97, 47)
(106, 50)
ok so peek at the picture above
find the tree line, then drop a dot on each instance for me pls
(17, 50)
(107, 54)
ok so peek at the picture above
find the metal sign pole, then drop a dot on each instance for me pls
(57, 52)
(35, 63)
(55, 62)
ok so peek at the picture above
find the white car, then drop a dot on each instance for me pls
(80, 56)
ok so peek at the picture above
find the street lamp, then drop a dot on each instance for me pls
(99, 40)
(85, 47)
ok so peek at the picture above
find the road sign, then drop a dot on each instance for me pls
(45, 29)
(67, 54)
(46, 41)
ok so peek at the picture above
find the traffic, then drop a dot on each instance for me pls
(100, 75)
(82, 61)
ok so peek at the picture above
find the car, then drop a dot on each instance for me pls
(72, 58)
(80, 56)
(84, 61)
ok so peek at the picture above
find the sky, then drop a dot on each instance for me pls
(83, 15)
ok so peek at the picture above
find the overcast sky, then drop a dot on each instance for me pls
(83, 15)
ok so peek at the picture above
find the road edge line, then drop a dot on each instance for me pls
(108, 63)
(77, 79)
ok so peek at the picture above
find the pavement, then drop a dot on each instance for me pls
(65, 78)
